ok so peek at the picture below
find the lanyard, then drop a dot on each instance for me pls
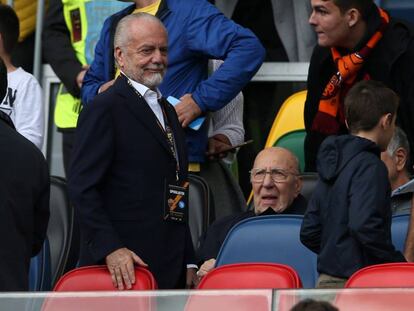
(167, 131)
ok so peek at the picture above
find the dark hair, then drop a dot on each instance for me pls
(9, 27)
(313, 305)
(363, 6)
(365, 104)
(3, 80)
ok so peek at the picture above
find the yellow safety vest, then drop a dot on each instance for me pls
(83, 38)
(67, 107)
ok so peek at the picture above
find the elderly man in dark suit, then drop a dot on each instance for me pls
(128, 174)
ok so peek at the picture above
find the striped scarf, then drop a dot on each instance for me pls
(329, 117)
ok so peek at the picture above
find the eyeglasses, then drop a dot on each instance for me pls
(278, 175)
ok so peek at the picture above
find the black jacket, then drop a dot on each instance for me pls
(213, 239)
(121, 163)
(390, 62)
(24, 206)
(348, 219)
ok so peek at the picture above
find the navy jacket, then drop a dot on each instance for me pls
(348, 219)
(197, 32)
(121, 163)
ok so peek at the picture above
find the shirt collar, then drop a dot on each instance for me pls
(142, 89)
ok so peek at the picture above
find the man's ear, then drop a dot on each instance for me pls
(298, 185)
(386, 121)
(353, 16)
(400, 158)
(119, 57)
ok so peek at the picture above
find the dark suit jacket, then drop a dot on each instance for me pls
(24, 206)
(120, 163)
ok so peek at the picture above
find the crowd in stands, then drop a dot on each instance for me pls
(151, 91)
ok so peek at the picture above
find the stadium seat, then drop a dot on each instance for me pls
(273, 239)
(60, 231)
(199, 213)
(388, 275)
(399, 274)
(39, 270)
(399, 228)
(98, 278)
(294, 141)
(309, 181)
(251, 275)
(289, 118)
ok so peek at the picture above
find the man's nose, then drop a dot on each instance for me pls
(157, 56)
(311, 19)
(268, 181)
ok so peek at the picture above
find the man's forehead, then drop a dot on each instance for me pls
(274, 158)
(322, 3)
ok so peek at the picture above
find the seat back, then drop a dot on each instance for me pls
(98, 278)
(39, 270)
(399, 228)
(272, 239)
(309, 181)
(289, 118)
(400, 274)
(199, 207)
(294, 141)
(60, 230)
(251, 276)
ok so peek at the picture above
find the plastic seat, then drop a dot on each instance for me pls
(199, 213)
(384, 275)
(273, 239)
(289, 118)
(309, 181)
(251, 275)
(399, 228)
(242, 276)
(98, 278)
(64, 243)
(294, 141)
(39, 270)
(400, 274)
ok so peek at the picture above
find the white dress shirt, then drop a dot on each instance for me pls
(151, 97)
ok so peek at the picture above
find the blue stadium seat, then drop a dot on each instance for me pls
(39, 271)
(399, 228)
(273, 239)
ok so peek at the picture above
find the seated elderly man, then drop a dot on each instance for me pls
(397, 161)
(276, 190)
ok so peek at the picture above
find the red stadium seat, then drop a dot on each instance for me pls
(243, 276)
(97, 278)
(400, 274)
(395, 275)
(251, 275)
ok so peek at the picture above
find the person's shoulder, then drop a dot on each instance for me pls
(22, 76)
(191, 8)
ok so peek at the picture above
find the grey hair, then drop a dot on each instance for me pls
(122, 32)
(398, 140)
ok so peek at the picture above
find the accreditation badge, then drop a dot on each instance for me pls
(176, 202)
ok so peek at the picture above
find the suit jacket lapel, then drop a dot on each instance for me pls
(140, 109)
